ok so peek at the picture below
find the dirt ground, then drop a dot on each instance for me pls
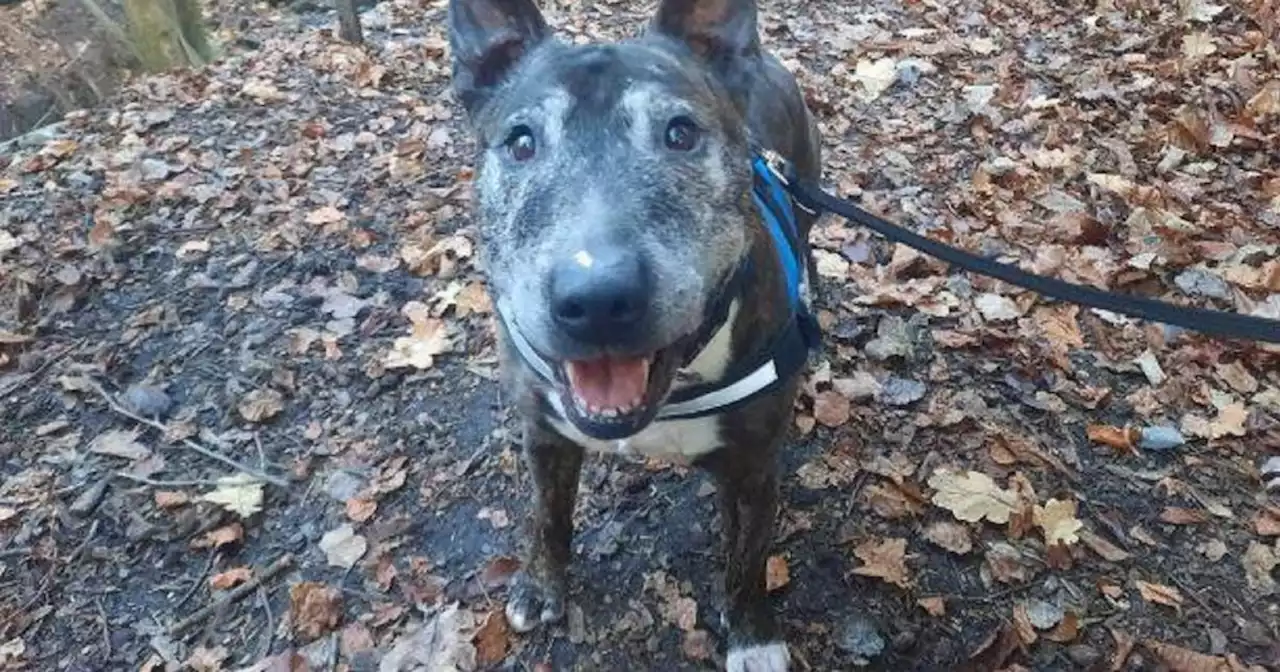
(248, 417)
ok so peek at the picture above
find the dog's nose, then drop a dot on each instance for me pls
(600, 296)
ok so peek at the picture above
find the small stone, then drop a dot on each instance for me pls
(1217, 642)
(149, 401)
(901, 391)
(89, 499)
(342, 485)
(1198, 282)
(1160, 438)
(1083, 655)
(154, 170)
(1044, 615)
(859, 637)
(893, 339)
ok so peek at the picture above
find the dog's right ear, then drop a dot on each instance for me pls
(488, 38)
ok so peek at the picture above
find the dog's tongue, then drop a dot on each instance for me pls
(609, 383)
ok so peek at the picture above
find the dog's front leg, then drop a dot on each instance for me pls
(539, 590)
(748, 489)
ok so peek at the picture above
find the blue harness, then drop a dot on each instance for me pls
(761, 373)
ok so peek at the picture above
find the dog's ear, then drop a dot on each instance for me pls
(488, 38)
(723, 33)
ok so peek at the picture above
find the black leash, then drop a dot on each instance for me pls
(1211, 322)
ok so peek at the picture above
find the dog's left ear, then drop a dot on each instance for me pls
(488, 39)
(723, 33)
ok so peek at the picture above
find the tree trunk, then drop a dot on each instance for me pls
(168, 33)
(349, 21)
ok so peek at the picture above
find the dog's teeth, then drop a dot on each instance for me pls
(609, 413)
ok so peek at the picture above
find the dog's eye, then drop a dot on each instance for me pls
(682, 134)
(520, 143)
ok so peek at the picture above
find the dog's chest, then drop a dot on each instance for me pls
(671, 439)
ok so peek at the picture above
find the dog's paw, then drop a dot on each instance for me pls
(771, 657)
(530, 605)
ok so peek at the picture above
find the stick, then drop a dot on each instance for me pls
(284, 562)
(23, 380)
(209, 453)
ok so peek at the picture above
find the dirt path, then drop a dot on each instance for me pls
(272, 260)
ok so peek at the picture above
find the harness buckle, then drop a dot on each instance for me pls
(777, 165)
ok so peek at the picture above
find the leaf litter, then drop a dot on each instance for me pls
(311, 200)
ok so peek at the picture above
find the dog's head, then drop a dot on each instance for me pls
(613, 186)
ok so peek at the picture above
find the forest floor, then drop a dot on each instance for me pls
(248, 417)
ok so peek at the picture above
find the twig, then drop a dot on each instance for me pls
(22, 381)
(106, 628)
(207, 452)
(163, 484)
(284, 562)
(271, 623)
(208, 567)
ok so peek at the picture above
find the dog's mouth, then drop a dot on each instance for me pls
(612, 397)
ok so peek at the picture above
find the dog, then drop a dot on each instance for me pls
(650, 274)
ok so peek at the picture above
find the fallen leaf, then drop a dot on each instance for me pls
(315, 609)
(831, 408)
(1022, 625)
(951, 536)
(219, 537)
(776, 574)
(972, 496)
(875, 77)
(1258, 561)
(360, 510)
(261, 405)
(204, 659)
(996, 308)
(1178, 659)
(170, 499)
(1107, 550)
(230, 578)
(1160, 594)
(885, 560)
(493, 638)
(240, 494)
(1057, 519)
(325, 215)
(1267, 522)
(498, 571)
(1176, 515)
(342, 547)
(427, 338)
(121, 443)
(1120, 438)
(934, 606)
(1199, 10)
(1067, 630)
(1006, 564)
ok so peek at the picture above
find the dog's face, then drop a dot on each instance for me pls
(613, 187)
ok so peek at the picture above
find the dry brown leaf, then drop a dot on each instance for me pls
(885, 560)
(1057, 519)
(342, 547)
(428, 337)
(934, 606)
(261, 405)
(1107, 550)
(443, 642)
(890, 502)
(1160, 594)
(1022, 625)
(240, 494)
(1177, 515)
(230, 578)
(1120, 438)
(1066, 630)
(951, 536)
(170, 499)
(972, 496)
(315, 609)
(493, 638)
(1006, 563)
(204, 659)
(360, 510)
(1267, 522)
(777, 575)
(831, 409)
(498, 571)
(1179, 659)
(1258, 562)
(122, 443)
(217, 538)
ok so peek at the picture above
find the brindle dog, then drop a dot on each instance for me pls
(614, 193)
